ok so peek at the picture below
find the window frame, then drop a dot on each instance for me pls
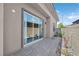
(22, 24)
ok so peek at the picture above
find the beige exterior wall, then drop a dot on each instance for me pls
(12, 24)
(72, 32)
(12, 40)
(1, 29)
(52, 23)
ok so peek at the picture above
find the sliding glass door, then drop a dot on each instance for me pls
(28, 28)
(32, 28)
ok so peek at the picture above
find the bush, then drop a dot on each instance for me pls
(60, 34)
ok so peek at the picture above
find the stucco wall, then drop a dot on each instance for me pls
(72, 32)
(1, 29)
(12, 26)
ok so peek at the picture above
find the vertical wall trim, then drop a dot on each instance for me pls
(22, 28)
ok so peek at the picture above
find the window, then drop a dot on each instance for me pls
(32, 27)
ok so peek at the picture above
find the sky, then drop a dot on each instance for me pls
(67, 12)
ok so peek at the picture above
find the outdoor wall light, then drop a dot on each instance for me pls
(13, 10)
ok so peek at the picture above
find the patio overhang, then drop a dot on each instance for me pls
(39, 8)
(45, 9)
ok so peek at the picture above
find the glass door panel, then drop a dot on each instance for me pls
(32, 29)
(29, 32)
(40, 28)
(35, 28)
(28, 28)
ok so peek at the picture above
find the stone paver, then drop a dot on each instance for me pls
(46, 47)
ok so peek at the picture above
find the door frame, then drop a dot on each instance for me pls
(22, 24)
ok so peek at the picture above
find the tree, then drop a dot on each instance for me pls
(60, 25)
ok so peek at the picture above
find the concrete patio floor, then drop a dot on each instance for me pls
(45, 47)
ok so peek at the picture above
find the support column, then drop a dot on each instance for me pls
(47, 27)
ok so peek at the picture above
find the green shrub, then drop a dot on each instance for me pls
(60, 34)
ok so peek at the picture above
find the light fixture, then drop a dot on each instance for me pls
(13, 10)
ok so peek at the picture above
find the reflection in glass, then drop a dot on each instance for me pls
(33, 27)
